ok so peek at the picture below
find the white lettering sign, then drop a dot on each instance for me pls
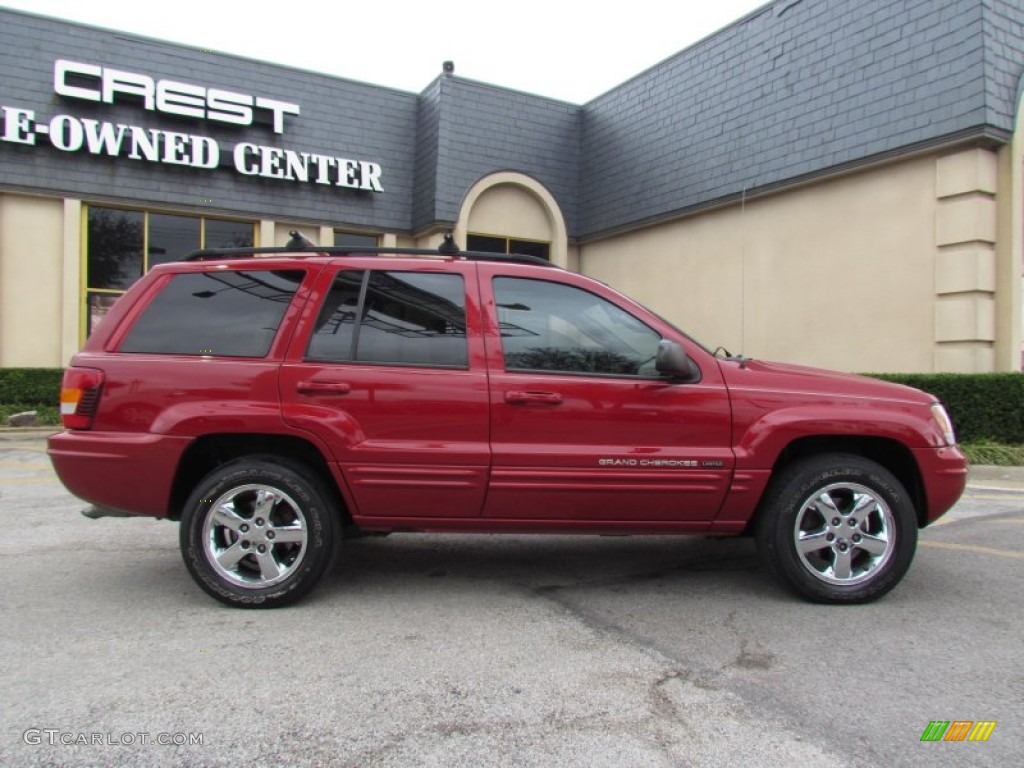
(91, 82)
(68, 133)
(18, 126)
(108, 85)
(274, 163)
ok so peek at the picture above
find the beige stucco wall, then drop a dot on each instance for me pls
(840, 274)
(909, 266)
(509, 210)
(1010, 248)
(32, 307)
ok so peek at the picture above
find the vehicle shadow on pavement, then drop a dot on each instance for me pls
(545, 562)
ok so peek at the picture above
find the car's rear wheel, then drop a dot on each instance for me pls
(258, 532)
(837, 528)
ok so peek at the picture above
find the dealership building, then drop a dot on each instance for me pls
(830, 182)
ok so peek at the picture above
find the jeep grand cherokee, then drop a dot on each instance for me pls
(274, 399)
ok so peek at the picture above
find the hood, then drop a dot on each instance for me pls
(782, 377)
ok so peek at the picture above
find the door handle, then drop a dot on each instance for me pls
(313, 387)
(523, 398)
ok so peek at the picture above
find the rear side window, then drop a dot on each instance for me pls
(394, 318)
(221, 313)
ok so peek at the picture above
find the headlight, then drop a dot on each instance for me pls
(945, 425)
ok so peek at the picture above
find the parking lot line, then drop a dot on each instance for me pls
(1003, 491)
(973, 548)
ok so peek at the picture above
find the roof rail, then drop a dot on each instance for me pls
(300, 245)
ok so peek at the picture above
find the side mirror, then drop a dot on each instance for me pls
(673, 361)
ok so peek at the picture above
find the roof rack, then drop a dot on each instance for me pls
(300, 245)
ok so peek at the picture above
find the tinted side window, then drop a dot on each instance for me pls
(222, 313)
(553, 327)
(334, 337)
(404, 318)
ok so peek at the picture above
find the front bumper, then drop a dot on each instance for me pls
(944, 474)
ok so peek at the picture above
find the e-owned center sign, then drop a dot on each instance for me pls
(105, 85)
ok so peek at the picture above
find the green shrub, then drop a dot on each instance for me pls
(30, 386)
(984, 407)
(994, 453)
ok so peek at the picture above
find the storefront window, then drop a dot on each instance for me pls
(352, 239)
(218, 233)
(115, 247)
(494, 244)
(121, 245)
(171, 238)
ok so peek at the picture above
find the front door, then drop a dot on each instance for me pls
(583, 428)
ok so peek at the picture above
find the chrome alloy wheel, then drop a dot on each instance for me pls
(844, 533)
(255, 536)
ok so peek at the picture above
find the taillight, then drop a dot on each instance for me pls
(79, 396)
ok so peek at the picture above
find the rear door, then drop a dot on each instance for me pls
(390, 372)
(583, 428)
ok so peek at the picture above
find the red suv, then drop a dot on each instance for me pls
(276, 399)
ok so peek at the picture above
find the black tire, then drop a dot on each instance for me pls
(259, 532)
(837, 528)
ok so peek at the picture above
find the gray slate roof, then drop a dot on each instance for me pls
(797, 89)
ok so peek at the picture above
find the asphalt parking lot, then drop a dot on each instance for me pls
(489, 650)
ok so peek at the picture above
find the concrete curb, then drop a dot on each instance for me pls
(21, 433)
(988, 478)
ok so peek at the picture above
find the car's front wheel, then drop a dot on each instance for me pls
(258, 532)
(837, 528)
